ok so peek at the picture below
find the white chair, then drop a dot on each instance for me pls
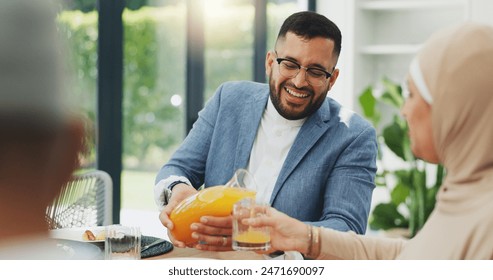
(85, 201)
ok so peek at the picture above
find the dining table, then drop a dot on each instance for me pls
(192, 253)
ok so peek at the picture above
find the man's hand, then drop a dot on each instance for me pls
(180, 192)
(213, 233)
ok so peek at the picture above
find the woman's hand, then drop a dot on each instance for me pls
(287, 234)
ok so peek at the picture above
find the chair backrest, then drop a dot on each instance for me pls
(85, 201)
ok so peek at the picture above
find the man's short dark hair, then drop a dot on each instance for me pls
(309, 25)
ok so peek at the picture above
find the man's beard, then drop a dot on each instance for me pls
(285, 111)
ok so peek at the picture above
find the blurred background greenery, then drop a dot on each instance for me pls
(411, 183)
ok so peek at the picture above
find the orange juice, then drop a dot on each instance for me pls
(214, 201)
(252, 237)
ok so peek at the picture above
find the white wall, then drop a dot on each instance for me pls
(337, 11)
(412, 26)
(482, 11)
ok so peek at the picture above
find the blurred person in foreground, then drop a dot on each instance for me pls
(309, 156)
(39, 138)
(449, 112)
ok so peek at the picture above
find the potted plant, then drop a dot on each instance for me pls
(412, 196)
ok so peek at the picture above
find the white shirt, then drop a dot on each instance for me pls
(274, 139)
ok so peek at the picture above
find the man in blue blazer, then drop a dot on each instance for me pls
(311, 158)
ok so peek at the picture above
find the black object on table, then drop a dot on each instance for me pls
(157, 250)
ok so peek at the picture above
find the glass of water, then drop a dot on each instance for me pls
(122, 243)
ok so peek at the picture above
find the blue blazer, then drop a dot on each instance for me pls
(327, 178)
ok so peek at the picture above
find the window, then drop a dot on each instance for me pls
(154, 104)
(78, 26)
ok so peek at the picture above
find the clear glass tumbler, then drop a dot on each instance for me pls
(122, 243)
(248, 238)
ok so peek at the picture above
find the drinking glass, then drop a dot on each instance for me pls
(248, 238)
(122, 243)
(242, 179)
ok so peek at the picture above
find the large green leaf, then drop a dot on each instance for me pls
(394, 138)
(368, 103)
(419, 182)
(432, 192)
(386, 216)
(404, 177)
(392, 94)
(399, 193)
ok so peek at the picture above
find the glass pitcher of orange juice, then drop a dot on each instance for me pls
(213, 201)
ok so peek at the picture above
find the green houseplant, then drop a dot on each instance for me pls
(412, 196)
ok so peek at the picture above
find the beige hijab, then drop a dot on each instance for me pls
(457, 68)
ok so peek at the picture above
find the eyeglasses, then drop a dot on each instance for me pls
(313, 76)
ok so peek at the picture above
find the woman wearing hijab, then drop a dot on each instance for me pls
(449, 112)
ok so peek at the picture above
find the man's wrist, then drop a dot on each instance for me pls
(162, 191)
(172, 185)
(168, 191)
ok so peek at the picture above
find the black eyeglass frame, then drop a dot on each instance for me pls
(327, 73)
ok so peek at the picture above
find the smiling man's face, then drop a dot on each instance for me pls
(294, 98)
